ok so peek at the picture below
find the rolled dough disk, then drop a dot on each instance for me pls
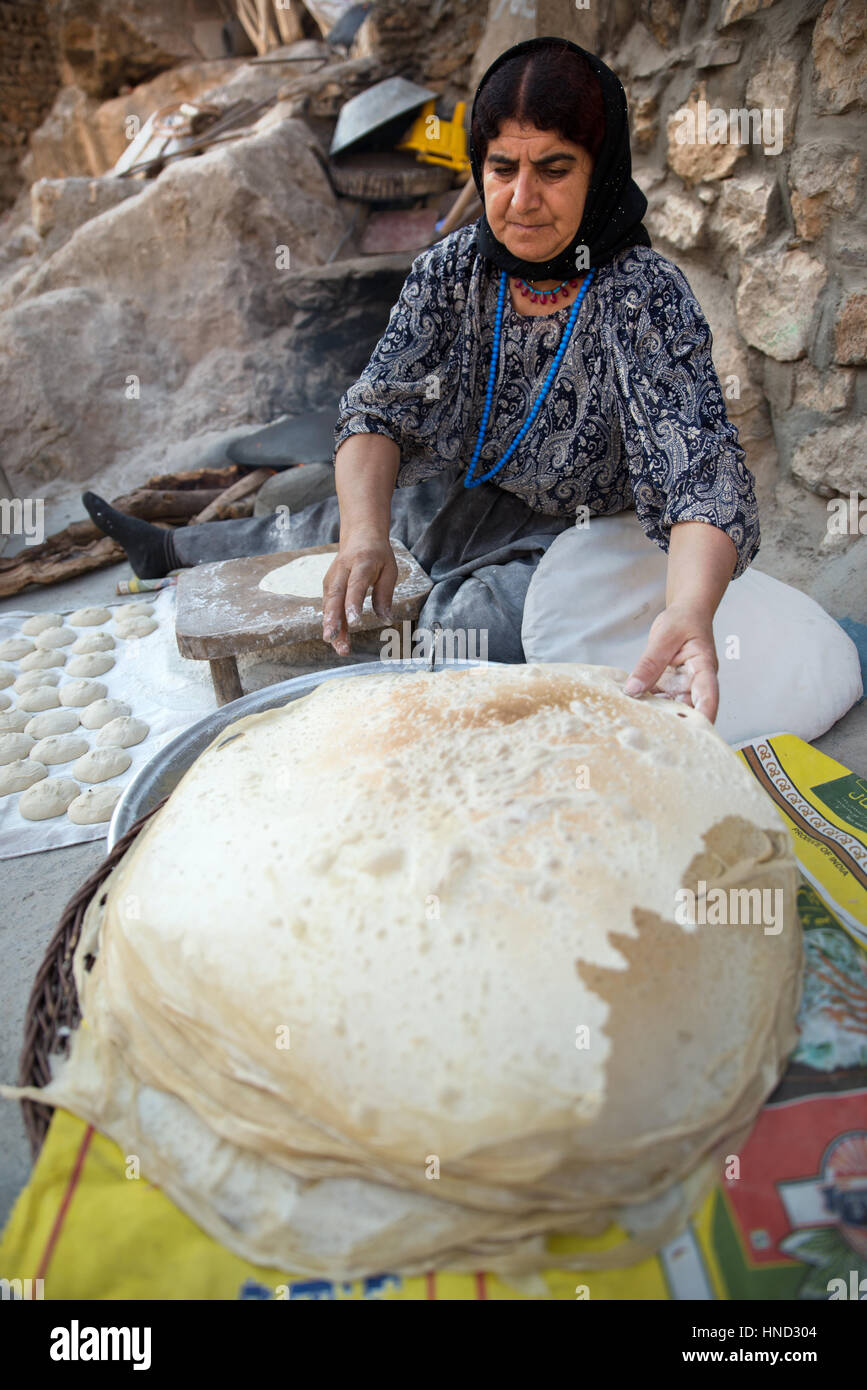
(96, 715)
(93, 664)
(39, 698)
(89, 617)
(301, 578)
(31, 680)
(81, 692)
(133, 610)
(7, 676)
(92, 642)
(136, 627)
(53, 721)
(14, 648)
(31, 627)
(122, 732)
(5, 700)
(101, 763)
(14, 746)
(48, 799)
(55, 637)
(38, 661)
(18, 776)
(59, 748)
(14, 721)
(94, 805)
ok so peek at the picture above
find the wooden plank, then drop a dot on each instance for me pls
(221, 611)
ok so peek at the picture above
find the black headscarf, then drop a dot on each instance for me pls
(615, 204)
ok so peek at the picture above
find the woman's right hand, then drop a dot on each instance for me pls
(365, 560)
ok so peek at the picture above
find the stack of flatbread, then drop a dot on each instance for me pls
(401, 976)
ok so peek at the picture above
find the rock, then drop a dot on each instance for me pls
(775, 89)
(733, 10)
(741, 214)
(717, 53)
(641, 55)
(662, 18)
(295, 488)
(645, 122)
(160, 302)
(690, 153)
(676, 219)
(834, 460)
(810, 215)
(840, 56)
(819, 167)
(102, 44)
(742, 390)
(850, 331)
(825, 392)
(776, 297)
(62, 205)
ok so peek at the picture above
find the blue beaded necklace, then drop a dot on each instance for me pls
(469, 480)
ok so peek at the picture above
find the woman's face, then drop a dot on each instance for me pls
(535, 185)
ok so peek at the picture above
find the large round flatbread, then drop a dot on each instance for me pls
(435, 917)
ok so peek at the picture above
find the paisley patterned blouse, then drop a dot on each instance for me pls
(635, 414)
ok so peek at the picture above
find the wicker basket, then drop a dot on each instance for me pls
(52, 1010)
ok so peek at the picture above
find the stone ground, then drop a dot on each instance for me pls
(37, 887)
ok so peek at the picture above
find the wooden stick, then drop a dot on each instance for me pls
(251, 483)
(53, 570)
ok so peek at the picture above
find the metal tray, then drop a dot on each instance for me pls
(165, 769)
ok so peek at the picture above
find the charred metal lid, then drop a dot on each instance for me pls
(371, 110)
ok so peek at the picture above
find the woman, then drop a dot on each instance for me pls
(542, 366)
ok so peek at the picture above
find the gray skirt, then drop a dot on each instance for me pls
(479, 545)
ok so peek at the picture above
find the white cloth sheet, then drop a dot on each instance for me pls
(160, 686)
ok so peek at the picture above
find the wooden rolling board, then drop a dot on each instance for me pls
(222, 612)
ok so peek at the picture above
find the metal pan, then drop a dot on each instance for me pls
(165, 769)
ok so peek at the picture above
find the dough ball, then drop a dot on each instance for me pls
(31, 627)
(59, 748)
(32, 679)
(136, 627)
(14, 746)
(7, 676)
(18, 776)
(81, 692)
(92, 642)
(14, 722)
(133, 610)
(5, 701)
(89, 617)
(48, 799)
(38, 661)
(101, 763)
(94, 664)
(39, 698)
(55, 637)
(94, 805)
(122, 732)
(98, 714)
(53, 721)
(14, 648)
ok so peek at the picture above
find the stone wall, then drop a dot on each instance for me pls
(29, 80)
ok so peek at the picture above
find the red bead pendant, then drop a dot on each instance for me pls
(535, 298)
(554, 297)
(573, 283)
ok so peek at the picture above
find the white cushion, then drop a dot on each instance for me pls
(598, 588)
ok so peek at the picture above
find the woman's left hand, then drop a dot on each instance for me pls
(681, 638)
